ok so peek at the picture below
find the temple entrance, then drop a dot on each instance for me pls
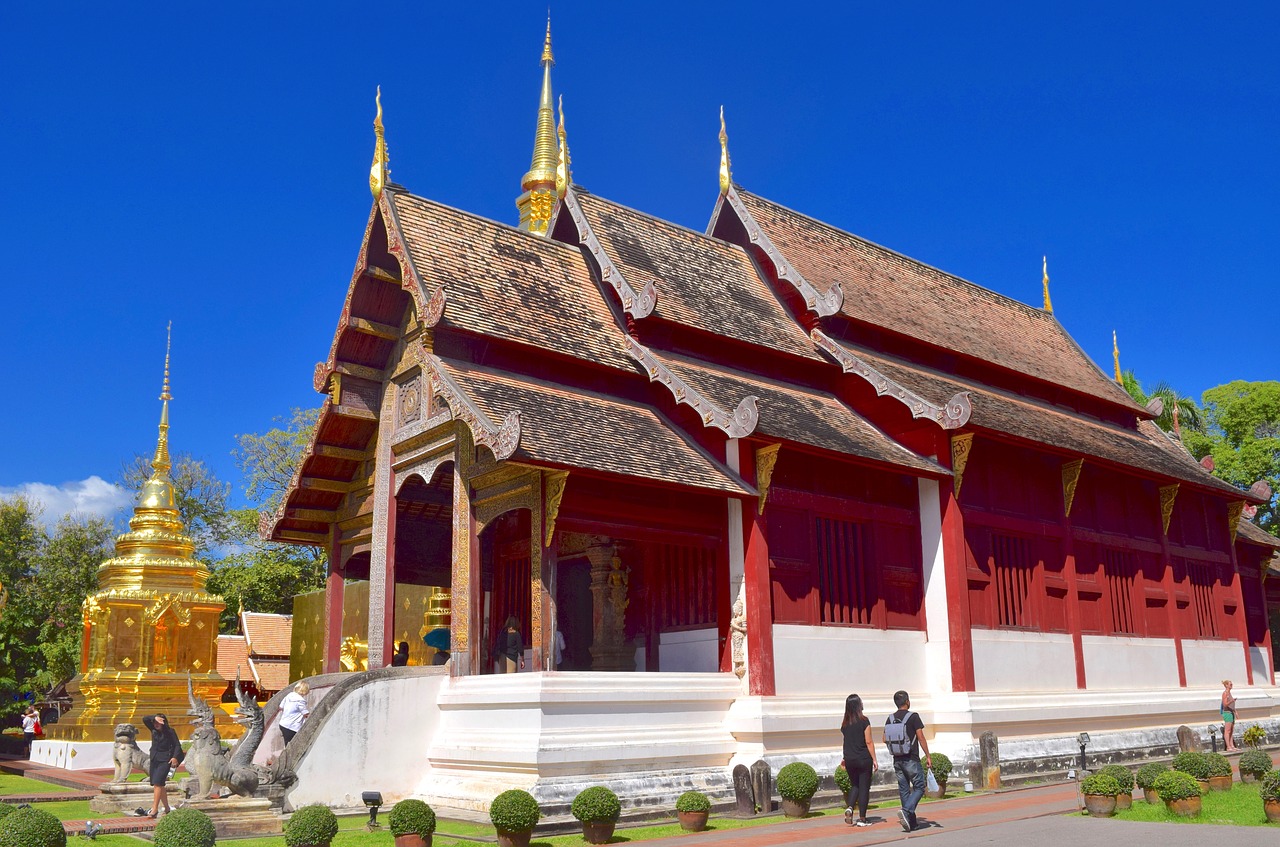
(505, 575)
(573, 613)
(423, 563)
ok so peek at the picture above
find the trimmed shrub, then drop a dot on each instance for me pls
(842, 781)
(514, 811)
(31, 827)
(1148, 774)
(1254, 736)
(693, 801)
(1192, 763)
(310, 825)
(1177, 785)
(1256, 762)
(1269, 789)
(185, 828)
(1100, 784)
(941, 766)
(1219, 765)
(412, 817)
(797, 782)
(596, 804)
(7, 809)
(1122, 775)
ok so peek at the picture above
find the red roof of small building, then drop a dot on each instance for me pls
(267, 635)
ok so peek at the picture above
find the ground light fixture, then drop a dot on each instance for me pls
(1213, 736)
(1083, 740)
(372, 799)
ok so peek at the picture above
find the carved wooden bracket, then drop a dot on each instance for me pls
(636, 305)
(820, 304)
(433, 310)
(1234, 511)
(766, 460)
(1070, 476)
(1168, 494)
(953, 415)
(960, 447)
(502, 439)
(737, 424)
(555, 485)
(410, 280)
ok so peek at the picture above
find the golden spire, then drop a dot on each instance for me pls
(1115, 354)
(564, 176)
(726, 174)
(380, 171)
(539, 184)
(161, 464)
(1048, 304)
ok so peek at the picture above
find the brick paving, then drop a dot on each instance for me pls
(86, 782)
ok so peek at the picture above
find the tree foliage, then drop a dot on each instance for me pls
(1190, 416)
(1242, 434)
(268, 460)
(200, 495)
(263, 576)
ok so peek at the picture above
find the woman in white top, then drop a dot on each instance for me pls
(29, 720)
(293, 711)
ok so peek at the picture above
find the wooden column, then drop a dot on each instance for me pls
(382, 557)
(759, 592)
(1069, 483)
(1236, 592)
(333, 589)
(539, 611)
(956, 562)
(467, 594)
(1175, 617)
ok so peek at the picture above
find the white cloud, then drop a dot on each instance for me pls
(92, 496)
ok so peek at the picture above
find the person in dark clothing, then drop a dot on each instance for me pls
(859, 759)
(401, 657)
(510, 647)
(907, 767)
(166, 752)
(440, 658)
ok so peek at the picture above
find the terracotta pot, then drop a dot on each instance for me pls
(1204, 785)
(1247, 777)
(514, 839)
(598, 832)
(1151, 795)
(1100, 805)
(1124, 801)
(1272, 808)
(413, 839)
(1188, 808)
(693, 821)
(1220, 783)
(942, 790)
(794, 808)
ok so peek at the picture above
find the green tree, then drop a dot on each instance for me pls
(1190, 416)
(67, 574)
(22, 542)
(268, 460)
(200, 495)
(1242, 434)
(261, 575)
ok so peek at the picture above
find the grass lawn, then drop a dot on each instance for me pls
(10, 784)
(1240, 806)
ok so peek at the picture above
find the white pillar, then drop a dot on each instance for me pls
(936, 612)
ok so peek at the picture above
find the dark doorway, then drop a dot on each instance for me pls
(573, 610)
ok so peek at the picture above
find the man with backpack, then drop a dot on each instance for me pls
(904, 736)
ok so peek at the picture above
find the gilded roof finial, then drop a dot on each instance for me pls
(380, 172)
(161, 464)
(726, 174)
(546, 46)
(1048, 304)
(1115, 354)
(563, 174)
(538, 200)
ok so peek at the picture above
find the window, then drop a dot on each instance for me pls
(1012, 572)
(1201, 579)
(1120, 572)
(845, 585)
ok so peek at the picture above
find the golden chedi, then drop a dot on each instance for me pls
(149, 625)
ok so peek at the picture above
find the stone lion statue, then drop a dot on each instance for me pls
(127, 755)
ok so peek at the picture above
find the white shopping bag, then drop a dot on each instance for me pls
(931, 781)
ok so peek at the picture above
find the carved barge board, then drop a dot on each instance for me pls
(636, 305)
(953, 415)
(502, 439)
(739, 423)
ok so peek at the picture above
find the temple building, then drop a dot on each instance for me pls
(744, 472)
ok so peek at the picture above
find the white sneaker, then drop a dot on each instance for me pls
(848, 815)
(904, 820)
(862, 822)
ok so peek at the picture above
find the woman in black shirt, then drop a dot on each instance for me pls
(166, 752)
(510, 646)
(859, 758)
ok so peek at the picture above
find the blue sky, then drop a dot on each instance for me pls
(208, 164)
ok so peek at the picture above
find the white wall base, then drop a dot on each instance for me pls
(689, 651)
(1009, 660)
(1126, 663)
(839, 660)
(77, 755)
(1210, 662)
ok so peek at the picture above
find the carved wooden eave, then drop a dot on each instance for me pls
(502, 439)
(637, 305)
(953, 415)
(961, 445)
(1168, 496)
(766, 461)
(1070, 478)
(1234, 511)
(555, 482)
(822, 305)
(268, 521)
(739, 423)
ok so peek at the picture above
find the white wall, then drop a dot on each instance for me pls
(1013, 660)
(1261, 663)
(1210, 662)
(937, 613)
(690, 650)
(839, 659)
(1129, 663)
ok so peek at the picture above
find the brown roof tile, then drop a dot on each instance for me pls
(569, 427)
(801, 415)
(272, 674)
(908, 297)
(233, 652)
(268, 635)
(702, 282)
(505, 283)
(1250, 532)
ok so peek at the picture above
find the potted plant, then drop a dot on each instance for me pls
(598, 809)
(1194, 764)
(1254, 736)
(412, 822)
(797, 783)
(1180, 792)
(310, 826)
(1100, 793)
(1124, 778)
(1254, 764)
(514, 814)
(1269, 791)
(185, 828)
(31, 827)
(1146, 780)
(693, 808)
(1219, 771)
(941, 771)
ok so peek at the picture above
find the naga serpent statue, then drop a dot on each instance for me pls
(208, 762)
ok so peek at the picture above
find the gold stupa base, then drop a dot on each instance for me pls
(105, 699)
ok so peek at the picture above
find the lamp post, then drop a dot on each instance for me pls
(1213, 736)
(372, 799)
(1083, 740)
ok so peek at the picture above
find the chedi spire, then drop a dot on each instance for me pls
(539, 184)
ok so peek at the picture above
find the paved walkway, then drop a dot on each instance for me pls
(84, 785)
(1097, 832)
